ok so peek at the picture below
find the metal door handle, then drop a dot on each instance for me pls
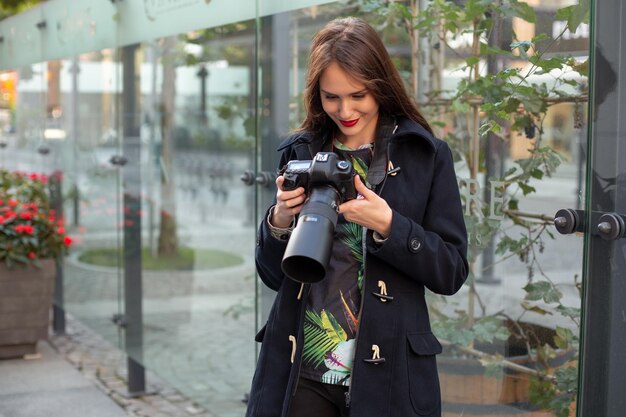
(569, 221)
(611, 226)
(118, 160)
(247, 177)
(264, 178)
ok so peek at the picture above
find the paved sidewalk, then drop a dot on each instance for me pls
(49, 386)
(79, 374)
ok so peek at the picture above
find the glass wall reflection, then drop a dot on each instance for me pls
(211, 106)
(197, 139)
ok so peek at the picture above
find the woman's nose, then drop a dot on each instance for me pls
(345, 109)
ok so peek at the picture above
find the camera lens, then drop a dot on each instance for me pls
(308, 251)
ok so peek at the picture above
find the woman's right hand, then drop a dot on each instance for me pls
(288, 204)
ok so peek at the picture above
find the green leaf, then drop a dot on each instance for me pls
(526, 189)
(472, 60)
(542, 290)
(459, 106)
(563, 338)
(537, 173)
(524, 11)
(548, 65)
(541, 37)
(317, 339)
(575, 14)
(332, 327)
(535, 309)
(571, 312)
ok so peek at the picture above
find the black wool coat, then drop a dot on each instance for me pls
(426, 249)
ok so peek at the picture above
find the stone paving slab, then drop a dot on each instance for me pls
(49, 386)
(105, 365)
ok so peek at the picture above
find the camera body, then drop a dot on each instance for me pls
(325, 169)
(328, 182)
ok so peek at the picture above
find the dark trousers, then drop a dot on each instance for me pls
(316, 399)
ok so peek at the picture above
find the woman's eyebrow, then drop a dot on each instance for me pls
(364, 91)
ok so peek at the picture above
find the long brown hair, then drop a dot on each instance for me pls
(356, 47)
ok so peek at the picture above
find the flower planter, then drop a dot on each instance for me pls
(25, 300)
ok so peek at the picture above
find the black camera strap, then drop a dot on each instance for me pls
(378, 167)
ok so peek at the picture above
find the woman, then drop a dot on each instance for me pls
(358, 342)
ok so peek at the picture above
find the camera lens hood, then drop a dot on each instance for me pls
(308, 250)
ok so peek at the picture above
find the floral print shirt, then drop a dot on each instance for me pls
(331, 317)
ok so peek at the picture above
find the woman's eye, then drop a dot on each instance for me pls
(330, 97)
(358, 96)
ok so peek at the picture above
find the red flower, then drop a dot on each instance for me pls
(26, 229)
(26, 215)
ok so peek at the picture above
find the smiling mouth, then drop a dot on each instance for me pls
(349, 123)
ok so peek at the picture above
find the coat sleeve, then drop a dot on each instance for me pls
(435, 251)
(269, 250)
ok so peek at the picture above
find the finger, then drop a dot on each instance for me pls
(291, 194)
(294, 202)
(361, 188)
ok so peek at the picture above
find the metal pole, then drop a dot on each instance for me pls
(423, 74)
(58, 314)
(133, 291)
(493, 161)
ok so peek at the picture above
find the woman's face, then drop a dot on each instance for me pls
(350, 105)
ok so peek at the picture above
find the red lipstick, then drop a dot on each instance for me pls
(349, 123)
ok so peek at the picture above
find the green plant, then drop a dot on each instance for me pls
(29, 227)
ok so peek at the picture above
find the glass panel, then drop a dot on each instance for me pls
(603, 375)
(89, 86)
(511, 334)
(515, 122)
(197, 138)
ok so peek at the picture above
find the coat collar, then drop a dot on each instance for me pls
(403, 127)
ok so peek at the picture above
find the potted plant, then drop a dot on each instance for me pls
(32, 238)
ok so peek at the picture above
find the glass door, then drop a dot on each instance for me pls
(196, 136)
(603, 370)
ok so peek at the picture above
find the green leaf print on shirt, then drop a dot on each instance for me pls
(360, 167)
(322, 334)
(352, 237)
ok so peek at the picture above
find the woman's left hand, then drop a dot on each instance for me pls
(368, 210)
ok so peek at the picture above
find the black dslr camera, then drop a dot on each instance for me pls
(328, 182)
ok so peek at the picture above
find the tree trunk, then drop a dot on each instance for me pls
(168, 236)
